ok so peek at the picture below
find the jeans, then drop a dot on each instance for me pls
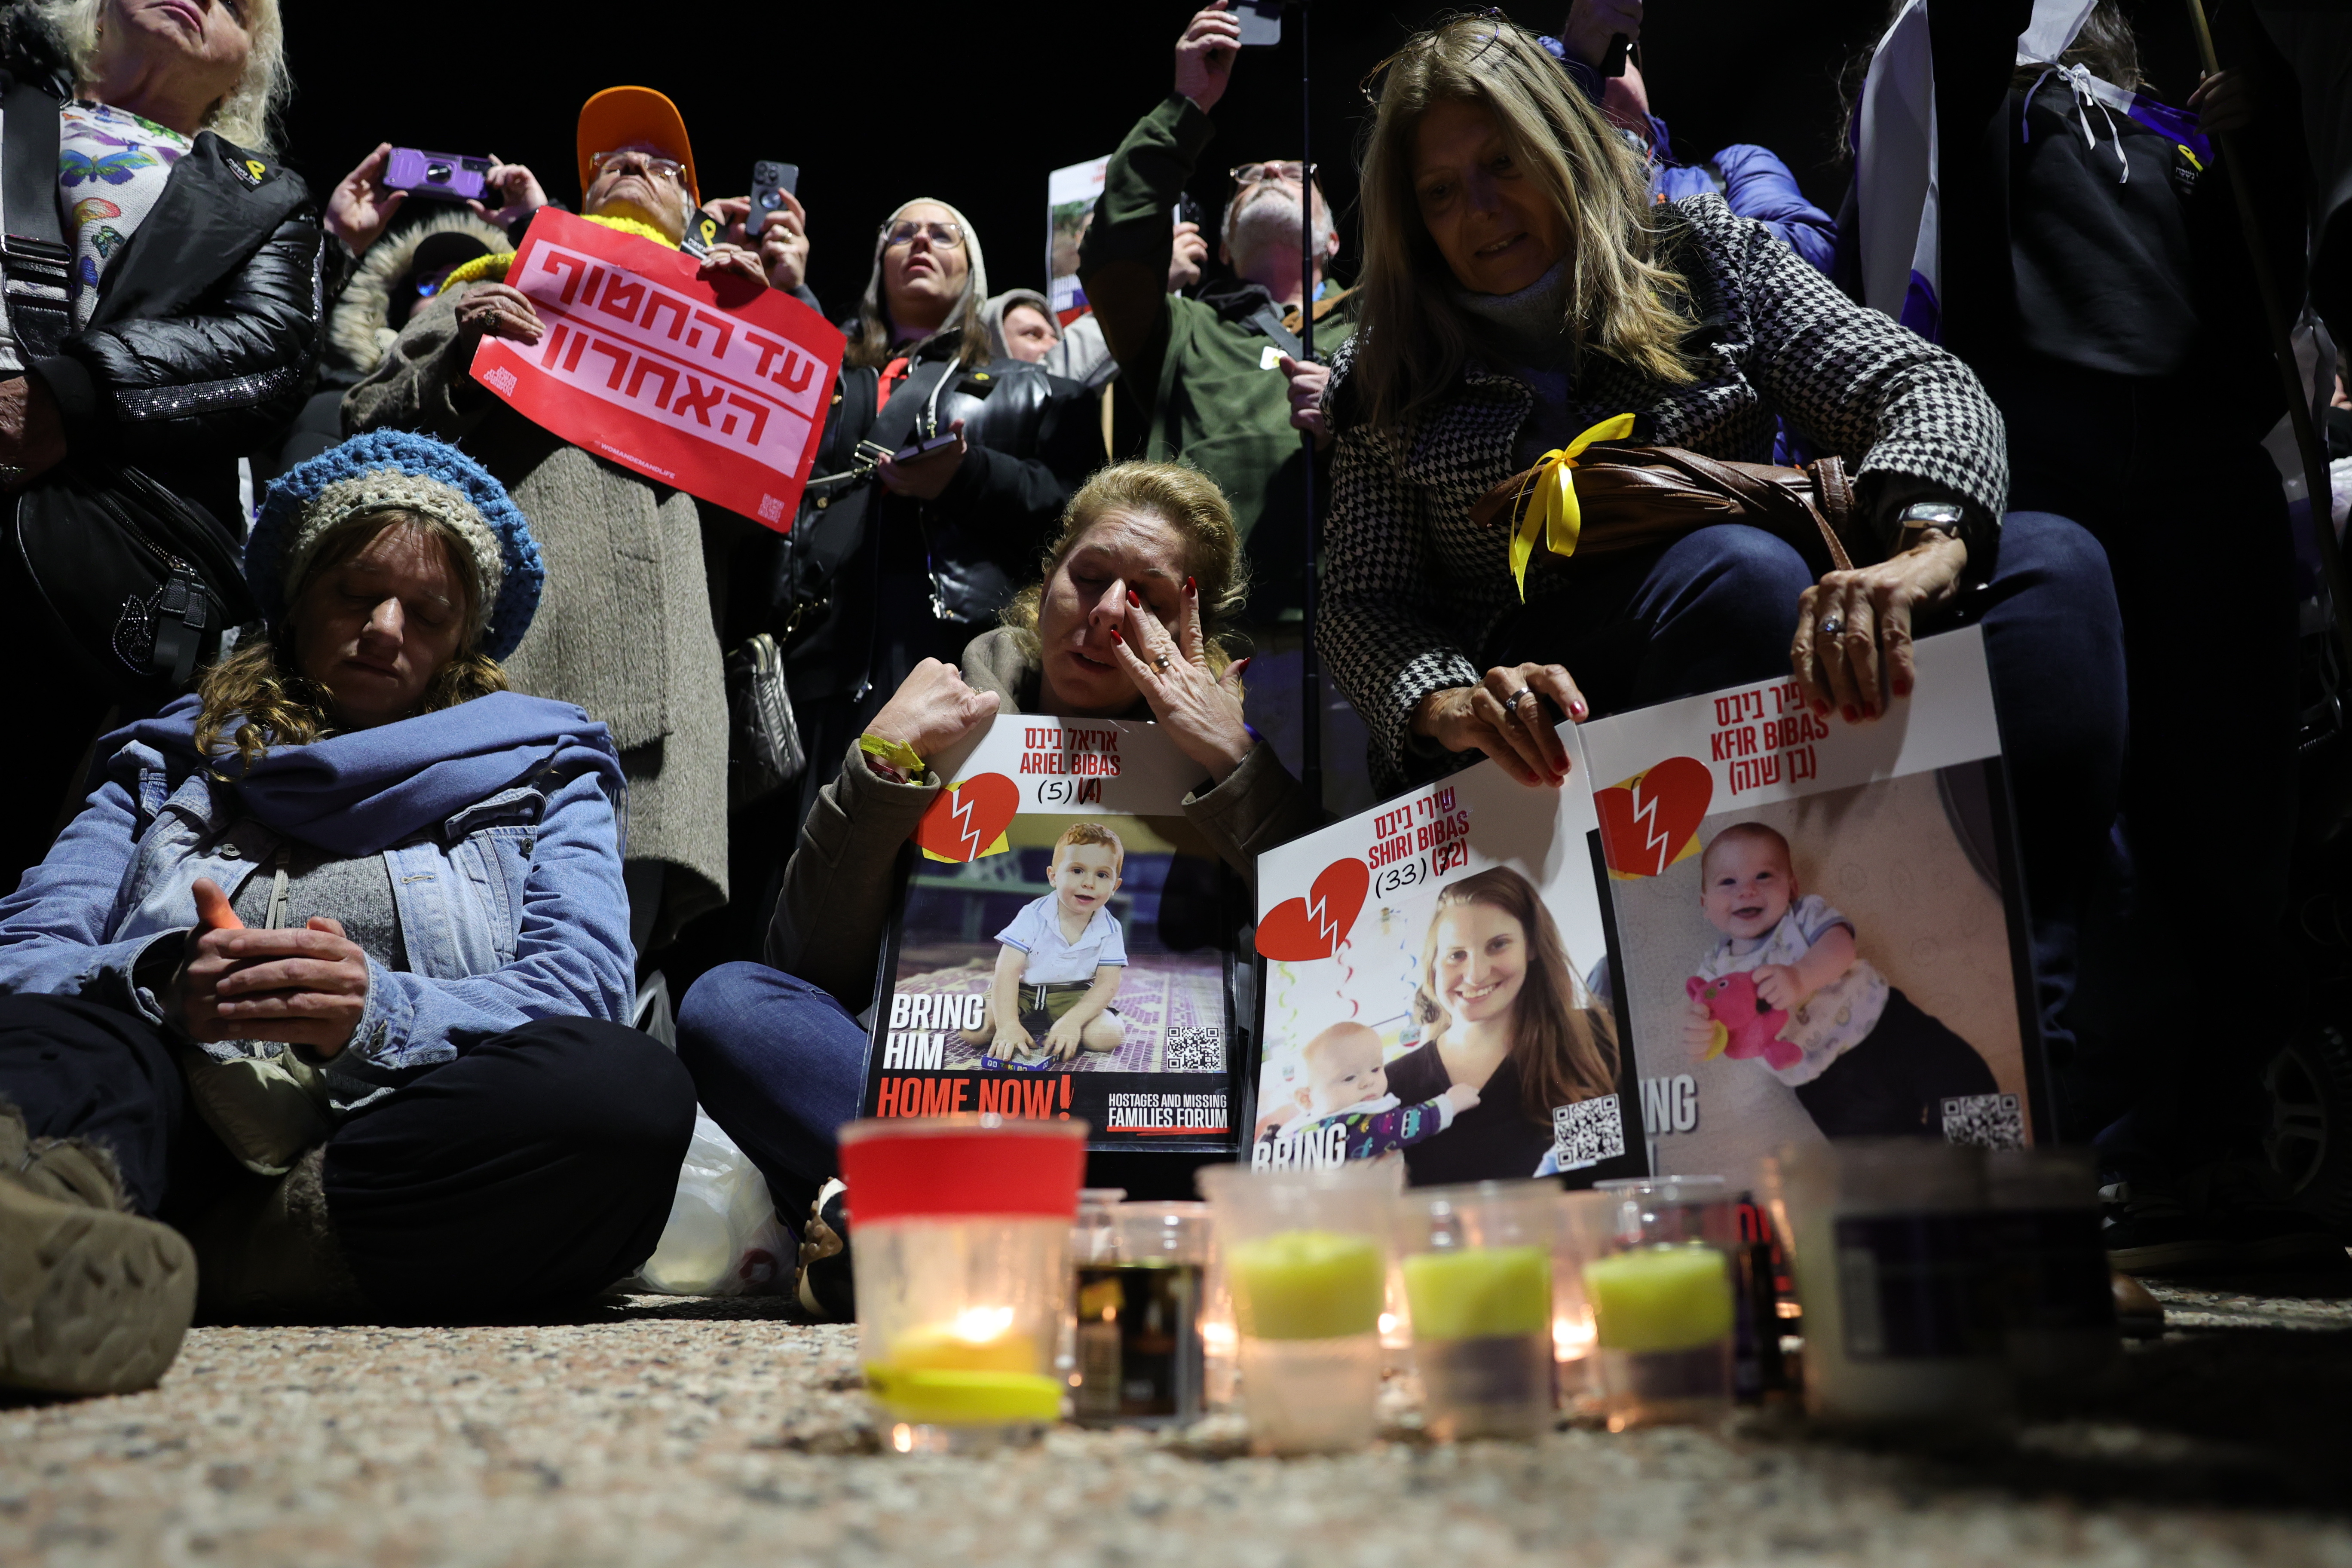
(779, 1065)
(539, 1165)
(1718, 607)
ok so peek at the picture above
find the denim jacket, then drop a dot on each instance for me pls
(511, 908)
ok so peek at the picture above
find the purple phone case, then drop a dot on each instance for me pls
(416, 169)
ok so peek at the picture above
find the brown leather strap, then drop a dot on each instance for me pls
(1634, 495)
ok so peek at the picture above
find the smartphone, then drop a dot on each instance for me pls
(443, 177)
(1261, 21)
(924, 448)
(771, 183)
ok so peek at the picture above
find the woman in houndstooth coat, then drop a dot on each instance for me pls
(1519, 289)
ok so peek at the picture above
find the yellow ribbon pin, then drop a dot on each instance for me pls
(1551, 509)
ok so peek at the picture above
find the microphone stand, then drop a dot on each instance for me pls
(1311, 662)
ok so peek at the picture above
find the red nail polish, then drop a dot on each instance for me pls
(1133, 599)
(1851, 716)
(1578, 708)
(1192, 586)
(1115, 636)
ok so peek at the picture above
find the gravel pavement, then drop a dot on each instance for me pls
(657, 1431)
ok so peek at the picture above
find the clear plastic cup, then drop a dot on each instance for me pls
(1305, 1257)
(1890, 1242)
(1477, 1267)
(1138, 1319)
(964, 1272)
(2058, 1307)
(1657, 1258)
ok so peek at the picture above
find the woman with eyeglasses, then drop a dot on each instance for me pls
(1519, 289)
(942, 474)
(171, 357)
(626, 628)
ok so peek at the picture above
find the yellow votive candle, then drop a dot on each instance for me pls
(1307, 1285)
(1479, 1291)
(1659, 1298)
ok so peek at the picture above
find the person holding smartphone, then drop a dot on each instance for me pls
(944, 471)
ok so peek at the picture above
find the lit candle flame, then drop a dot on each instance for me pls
(978, 1325)
(1571, 1338)
(902, 1438)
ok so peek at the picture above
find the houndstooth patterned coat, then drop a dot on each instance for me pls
(1412, 589)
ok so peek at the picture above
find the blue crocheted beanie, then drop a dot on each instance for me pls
(416, 473)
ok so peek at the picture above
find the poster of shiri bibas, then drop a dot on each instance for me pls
(1436, 990)
(1736, 926)
(1819, 927)
(1063, 944)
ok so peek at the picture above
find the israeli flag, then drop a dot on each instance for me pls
(1896, 159)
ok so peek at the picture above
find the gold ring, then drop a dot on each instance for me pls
(1160, 664)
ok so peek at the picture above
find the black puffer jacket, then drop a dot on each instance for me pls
(206, 336)
(1033, 439)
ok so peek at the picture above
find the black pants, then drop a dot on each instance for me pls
(539, 1165)
(1893, 1083)
(2195, 529)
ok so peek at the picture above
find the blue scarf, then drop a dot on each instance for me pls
(362, 791)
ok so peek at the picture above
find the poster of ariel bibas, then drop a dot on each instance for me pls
(1820, 927)
(1064, 944)
(1434, 985)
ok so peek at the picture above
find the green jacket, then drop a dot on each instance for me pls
(1192, 368)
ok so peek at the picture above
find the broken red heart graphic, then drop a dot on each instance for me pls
(964, 821)
(1648, 822)
(1314, 926)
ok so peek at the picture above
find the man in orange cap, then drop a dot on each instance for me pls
(625, 626)
(636, 164)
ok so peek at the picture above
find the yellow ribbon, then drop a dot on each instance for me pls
(1551, 509)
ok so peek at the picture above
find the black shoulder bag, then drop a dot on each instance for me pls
(140, 580)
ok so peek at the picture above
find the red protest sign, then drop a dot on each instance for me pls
(719, 390)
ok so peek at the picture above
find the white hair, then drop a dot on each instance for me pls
(247, 114)
(1267, 215)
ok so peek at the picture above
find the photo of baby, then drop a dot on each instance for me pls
(1785, 985)
(1060, 960)
(1347, 1089)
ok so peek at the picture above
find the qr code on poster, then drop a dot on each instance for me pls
(1195, 1050)
(1587, 1132)
(1988, 1120)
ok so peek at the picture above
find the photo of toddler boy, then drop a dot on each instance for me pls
(1058, 967)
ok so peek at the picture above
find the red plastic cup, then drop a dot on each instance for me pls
(963, 1230)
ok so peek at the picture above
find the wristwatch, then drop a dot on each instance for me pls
(1925, 517)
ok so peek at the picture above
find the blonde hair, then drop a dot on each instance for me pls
(1412, 338)
(247, 114)
(258, 697)
(1080, 833)
(1184, 498)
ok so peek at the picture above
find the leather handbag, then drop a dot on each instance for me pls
(140, 580)
(764, 753)
(1633, 495)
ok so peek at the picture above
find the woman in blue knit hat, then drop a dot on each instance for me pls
(323, 987)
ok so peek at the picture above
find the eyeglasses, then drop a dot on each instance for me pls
(943, 235)
(669, 168)
(1255, 173)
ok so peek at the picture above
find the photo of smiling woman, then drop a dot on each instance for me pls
(1500, 1010)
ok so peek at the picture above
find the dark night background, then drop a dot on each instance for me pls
(881, 102)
